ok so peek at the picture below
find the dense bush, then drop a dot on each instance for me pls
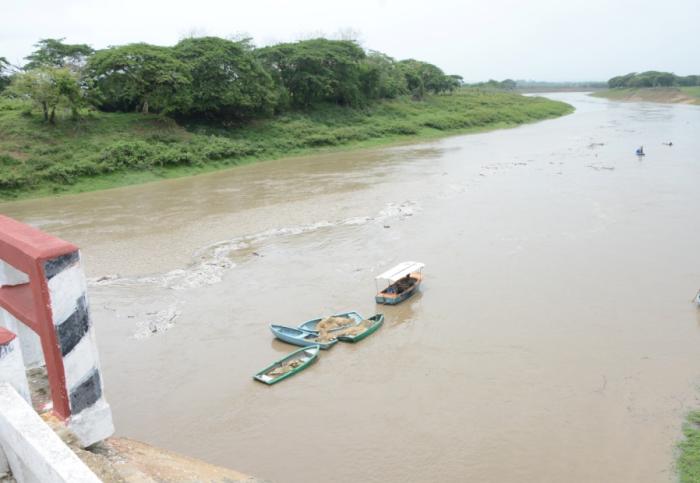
(653, 78)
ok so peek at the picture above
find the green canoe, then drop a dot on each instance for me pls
(375, 322)
(289, 365)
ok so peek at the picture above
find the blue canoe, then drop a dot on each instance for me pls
(353, 319)
(299, 337)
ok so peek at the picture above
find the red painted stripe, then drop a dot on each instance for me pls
(21, 244)
(6, 336)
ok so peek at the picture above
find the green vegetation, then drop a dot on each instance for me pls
(653, 78)
(684, 95)
(689, 459)
(653, 86)
(74, 119)
(544, 86)
(103, 149)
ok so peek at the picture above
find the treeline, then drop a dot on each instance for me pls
(653, 78)
(215, 78)
(507, 84)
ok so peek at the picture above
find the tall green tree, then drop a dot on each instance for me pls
(49, 87)
(381, 77)
(423, 77)
(4, 73)
(228, 80)
(317, 70)
(139, 77)
(55, 53)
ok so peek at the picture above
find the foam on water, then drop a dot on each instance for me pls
(213, 261)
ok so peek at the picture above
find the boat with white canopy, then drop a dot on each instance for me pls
(400, 283)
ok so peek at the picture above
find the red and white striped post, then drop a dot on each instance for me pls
(42, 286)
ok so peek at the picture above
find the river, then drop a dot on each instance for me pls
(554, 338)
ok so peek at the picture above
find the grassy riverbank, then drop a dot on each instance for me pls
(689, 458)
(676, 95)
(105, 150)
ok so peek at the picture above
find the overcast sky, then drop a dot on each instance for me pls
(478, 39)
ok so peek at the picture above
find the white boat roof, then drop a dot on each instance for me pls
(400, 271)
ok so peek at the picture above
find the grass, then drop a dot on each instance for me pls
(105, 150)
(689, 459)
(685, 95)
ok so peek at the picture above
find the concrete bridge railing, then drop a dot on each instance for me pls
(44, 309)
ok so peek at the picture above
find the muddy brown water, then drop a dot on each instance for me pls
(554, 338)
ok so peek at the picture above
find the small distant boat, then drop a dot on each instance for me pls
(353, 319)
(403, 281)
(300, 337)
(289, 365)
(353, 335)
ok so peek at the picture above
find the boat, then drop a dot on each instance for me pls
(353, 335)
(401, 281)
(289, 365)
(300, 337)
(353, 319)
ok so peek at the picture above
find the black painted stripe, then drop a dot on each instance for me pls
(6, 349)
(74, 328)
(86, 393)
(56, 265)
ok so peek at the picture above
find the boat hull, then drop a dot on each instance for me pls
(309, 354)
(310, 326)
(377, 321)
(299, 337)
(393, 299)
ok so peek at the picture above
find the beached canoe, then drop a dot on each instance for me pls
(289, 365)
(300, 337)
(375, 322)
(353, 319)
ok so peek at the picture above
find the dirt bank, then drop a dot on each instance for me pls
(674, 95)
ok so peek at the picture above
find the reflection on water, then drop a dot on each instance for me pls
(554, 327)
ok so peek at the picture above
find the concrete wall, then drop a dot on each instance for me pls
(32, 449)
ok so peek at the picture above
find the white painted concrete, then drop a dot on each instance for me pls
(32, 353)
(4, 464)
(12, 369)
(34, 451)
(64, 290)
(93, 424)
(9, 275)
(80, 361)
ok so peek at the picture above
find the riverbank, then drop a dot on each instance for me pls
(674, 95)
(689, 458)
(106, 150)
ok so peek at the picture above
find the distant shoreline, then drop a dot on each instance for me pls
(668, 95)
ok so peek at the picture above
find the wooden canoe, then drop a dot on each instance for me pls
(310, 325)
(300, 337)
(289, 365)
(376, 322)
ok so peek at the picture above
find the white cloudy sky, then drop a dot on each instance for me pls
(478, 39)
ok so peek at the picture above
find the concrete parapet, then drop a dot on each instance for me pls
(34, 452)
(11, 364)
(43, 291)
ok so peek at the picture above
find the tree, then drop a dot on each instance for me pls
(4, 73)
(423, 77)
(139, 76)
(316, 70)
(381, 77)
(49, 87)
(228, 80)
(54, 53)
(509, 84)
